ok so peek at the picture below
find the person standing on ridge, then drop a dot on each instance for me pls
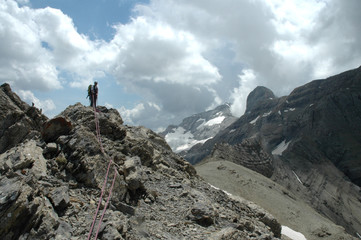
(94, 95)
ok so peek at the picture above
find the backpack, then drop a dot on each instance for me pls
(89, 90)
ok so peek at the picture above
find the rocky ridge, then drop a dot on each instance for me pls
(312, 137)
(51, 180)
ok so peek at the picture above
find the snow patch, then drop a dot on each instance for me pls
(267, 114)
(254, 120)
(233, 130)
(190, 144)
(280, 148)
(297, 177)
(279, 112)
(214, 121)
(292, 109)
(228, 194)
(180, 140)
(292, 233)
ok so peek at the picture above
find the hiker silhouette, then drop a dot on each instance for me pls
(93, 94)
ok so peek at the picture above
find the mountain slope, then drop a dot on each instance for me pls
(290, 210)
(312, 137)
(50, 184)
(198, 128)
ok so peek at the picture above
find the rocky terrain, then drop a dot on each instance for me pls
(52, 174)
(198, 128)
(308, 142)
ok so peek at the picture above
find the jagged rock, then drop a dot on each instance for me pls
(51, 150)
(202, 214)
(18, 121)
(54, 128)
(27, 157)
(60, 198)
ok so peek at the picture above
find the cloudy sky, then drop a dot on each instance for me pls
(158, 61)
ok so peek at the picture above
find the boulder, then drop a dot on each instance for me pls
(55, 128)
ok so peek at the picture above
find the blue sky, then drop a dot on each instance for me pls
(158, 61)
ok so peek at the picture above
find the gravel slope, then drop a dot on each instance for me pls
(289, 210)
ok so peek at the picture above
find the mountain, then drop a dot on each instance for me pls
(309, 142)
(52, 174)
(197, 129)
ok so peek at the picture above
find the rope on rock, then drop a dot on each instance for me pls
(105, 180)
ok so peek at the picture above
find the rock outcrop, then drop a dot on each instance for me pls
(248, 153)
(50, 189)
(313, 137)
(18, 120)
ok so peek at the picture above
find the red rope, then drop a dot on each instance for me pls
(105, 180)
(106, 204)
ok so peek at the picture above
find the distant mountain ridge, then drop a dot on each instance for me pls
(310, 140)
(198, 128)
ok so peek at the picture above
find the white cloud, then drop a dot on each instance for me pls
(46, 105)
(129, 114)
(184, 56)
(247, 82)
(108, 105)
(23, 62)
(39, 43)
(154, 51)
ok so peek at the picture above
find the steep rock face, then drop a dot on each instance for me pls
(50, 190)
(197, 129)
(314, 137)
(18, 121)
(258, 97)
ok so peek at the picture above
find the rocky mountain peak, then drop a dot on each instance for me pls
(257, 96)
(51, 181)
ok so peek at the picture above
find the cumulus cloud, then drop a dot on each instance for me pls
(37, 44)
(154, 51)
(46, 105)
(148, 114)
(184, 57)
(247, 82)
(23, 62)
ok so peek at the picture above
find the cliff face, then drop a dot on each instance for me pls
(51, 180)
(313, 139)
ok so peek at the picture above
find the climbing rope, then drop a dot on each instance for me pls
(97, 128)
(106, 204)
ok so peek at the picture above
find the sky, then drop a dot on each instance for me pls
(159, 61)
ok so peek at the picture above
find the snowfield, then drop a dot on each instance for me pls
(281, 148)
